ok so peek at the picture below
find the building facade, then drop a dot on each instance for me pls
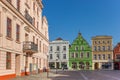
(102, 52)
(80, 56)
(24, 38)
(58, 53)
(116, 57)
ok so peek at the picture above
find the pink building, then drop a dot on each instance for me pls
(24, 38)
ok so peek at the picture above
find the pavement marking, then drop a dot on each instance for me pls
(84, 76)
(109, 76)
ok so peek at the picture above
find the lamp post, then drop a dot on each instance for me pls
(56, 65)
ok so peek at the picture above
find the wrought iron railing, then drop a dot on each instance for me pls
(29, 46)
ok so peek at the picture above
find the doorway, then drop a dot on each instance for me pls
(96, 66)
(57, 65)
(116, 66)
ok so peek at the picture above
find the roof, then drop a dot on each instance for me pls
(59, 38)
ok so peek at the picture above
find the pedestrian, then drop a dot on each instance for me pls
(63, 68)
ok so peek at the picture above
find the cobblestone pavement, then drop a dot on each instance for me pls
(74, 75)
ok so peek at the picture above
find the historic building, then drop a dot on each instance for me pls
(102, 52)
(58, 53)
(80, 56)
(116, 57)
(24, 38)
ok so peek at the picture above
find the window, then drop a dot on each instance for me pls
(33, 5)
(76, 55)
(37, 41)
(9, 28)
(99, 42)
(103, 48)
(118, 56)
(81, 55)
(103, 42)
(103, 56)
(64, 56)
(109, 56)
(82, 48)
(37, 11)
(33, 39)
(9, 1)
(40, 46)
(58, 48)
(95, 57)
(108, 47)
(76, 48)
(8, 60)
(37, 25)
(17, 32)
(95, 42)
(108, 42)
(34, 21)
(72, 55)
(88, 54)
(95, 49)
(99, 48)
(58, 56)
(99, 56)
(51, 48)
(33, 60)
(18, 5)
(51, 57)
(64, 48)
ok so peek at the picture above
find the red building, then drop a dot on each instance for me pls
(116, 57)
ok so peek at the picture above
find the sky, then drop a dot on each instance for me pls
(89, 17)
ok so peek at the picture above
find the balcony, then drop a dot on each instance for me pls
(30, 47)
(28, 18)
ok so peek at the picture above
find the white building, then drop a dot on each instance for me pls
(58, 53)
(24, 38)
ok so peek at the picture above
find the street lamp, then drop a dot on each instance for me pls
(47, 66)
(56, 64)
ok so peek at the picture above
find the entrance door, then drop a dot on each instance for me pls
(116, 66)
(74, 65)
(17, 64)
(57, 65)
(96, 66)
(87, 65)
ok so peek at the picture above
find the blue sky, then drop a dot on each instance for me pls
(90, 17)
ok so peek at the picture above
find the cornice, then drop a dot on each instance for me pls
(13, 9)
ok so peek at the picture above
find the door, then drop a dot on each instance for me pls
(96, 66)
(116, 66)
(57, 65)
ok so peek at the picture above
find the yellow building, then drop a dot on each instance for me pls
(24, 38)
(102, 53)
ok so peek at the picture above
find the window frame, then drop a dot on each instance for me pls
(18, 32)
(9, 28)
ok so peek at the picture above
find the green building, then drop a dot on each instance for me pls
(80, 54)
